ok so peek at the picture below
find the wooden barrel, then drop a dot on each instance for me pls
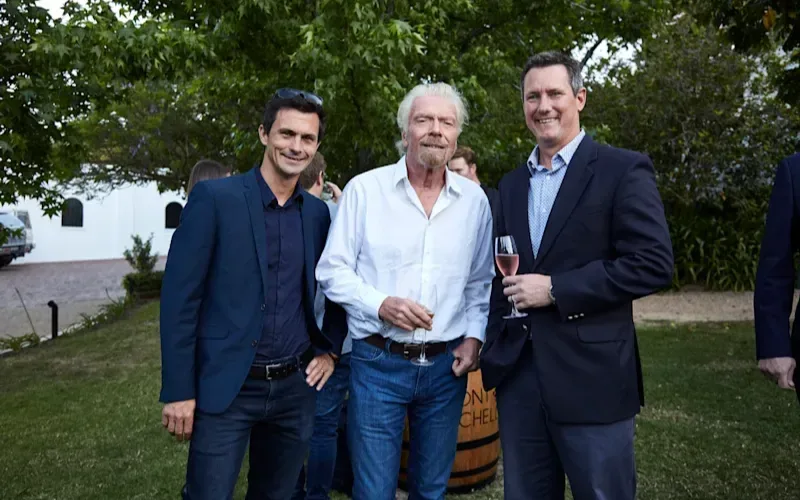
(478, 449)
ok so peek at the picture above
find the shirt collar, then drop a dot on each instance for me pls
(267, 196)
(400, 173)
(566, 153)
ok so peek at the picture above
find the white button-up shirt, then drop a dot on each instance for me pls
(382, 244)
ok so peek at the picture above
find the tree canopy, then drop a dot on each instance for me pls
(360, 56)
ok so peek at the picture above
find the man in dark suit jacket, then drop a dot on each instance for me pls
(241, 350)
(592, 237)
(464, 162)
(776, 349)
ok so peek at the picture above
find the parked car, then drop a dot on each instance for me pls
(15, 246)
(25, 218)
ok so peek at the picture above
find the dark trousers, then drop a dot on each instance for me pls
(316, 482)
(276, 417)
(598, 459)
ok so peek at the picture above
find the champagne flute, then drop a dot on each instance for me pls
(507, 259)
(423, 360)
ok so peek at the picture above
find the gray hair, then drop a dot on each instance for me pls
(553, 58)
(430, 89)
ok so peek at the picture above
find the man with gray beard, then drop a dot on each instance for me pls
(409, 257)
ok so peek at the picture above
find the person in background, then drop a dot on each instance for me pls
(464, 163)
(411, 250)
(205, 170)
(313, 180)
(317, 476)
(777, 350)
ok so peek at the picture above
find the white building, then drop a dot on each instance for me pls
(101, 227)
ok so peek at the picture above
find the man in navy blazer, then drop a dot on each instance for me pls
(241, 351)
(591, 234)
(776, 349)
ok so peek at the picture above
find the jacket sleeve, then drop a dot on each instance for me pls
(772, 301)
(643, 262)
(182, 292)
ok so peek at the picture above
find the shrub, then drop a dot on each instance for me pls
(139, 257)
(143, 286)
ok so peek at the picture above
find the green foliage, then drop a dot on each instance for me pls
(360, 56)
(752, 25)
(140, 257)
(36, 95)
(143, 285)
(114, 310)
(18, 343)
(709, 119)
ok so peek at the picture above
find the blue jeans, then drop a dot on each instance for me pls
(322, 450)
(384, 389)
(598, 460)
(276, 417)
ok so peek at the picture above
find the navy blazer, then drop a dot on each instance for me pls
(775, 278)
(212, 295)
(606, 243)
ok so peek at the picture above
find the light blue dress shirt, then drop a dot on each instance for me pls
(544, 186)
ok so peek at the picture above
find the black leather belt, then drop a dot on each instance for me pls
(408, 351)
(282, 370)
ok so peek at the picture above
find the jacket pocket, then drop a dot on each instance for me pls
(595, 334)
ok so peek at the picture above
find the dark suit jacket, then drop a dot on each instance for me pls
(775, 279)
(214, 287)
(606, 243)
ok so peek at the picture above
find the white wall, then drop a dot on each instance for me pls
(109, 220)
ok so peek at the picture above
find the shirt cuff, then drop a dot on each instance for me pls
(372, 300)
(476, 331)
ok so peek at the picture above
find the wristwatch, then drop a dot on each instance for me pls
(550, 293)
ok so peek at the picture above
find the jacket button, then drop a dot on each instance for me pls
(525, 328)
(263, 306)
(254, 343)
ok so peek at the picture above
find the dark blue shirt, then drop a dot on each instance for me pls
(284, 331)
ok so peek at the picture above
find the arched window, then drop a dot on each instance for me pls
(172, 215)
(72, 215)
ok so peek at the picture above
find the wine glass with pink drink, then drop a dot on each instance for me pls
(507, 259)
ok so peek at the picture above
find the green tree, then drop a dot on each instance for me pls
(361, 56)
(37, 98)
(710, 120)
(756, 24)
(55, 73)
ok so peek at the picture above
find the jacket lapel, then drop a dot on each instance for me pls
(518, 220)
(308, 247)
(256, 209)
(579, 172)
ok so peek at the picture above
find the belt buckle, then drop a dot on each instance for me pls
(267, 368)
(407, 350)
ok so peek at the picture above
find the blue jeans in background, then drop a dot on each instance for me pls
(386, 387)
(318, 473)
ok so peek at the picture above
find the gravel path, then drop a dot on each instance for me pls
(77, 287)
(82, 287)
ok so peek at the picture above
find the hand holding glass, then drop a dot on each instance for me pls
(507, 259)
(423, 360)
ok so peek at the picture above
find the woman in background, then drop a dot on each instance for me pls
(205, 170)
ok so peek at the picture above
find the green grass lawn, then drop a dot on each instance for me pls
(79, 419)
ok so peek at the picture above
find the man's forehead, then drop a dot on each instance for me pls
(292, 119)
(434, 105)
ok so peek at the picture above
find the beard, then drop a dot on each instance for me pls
(432, 157)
